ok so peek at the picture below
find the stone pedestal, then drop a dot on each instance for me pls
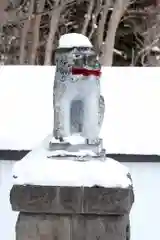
(72, 213)
(62, 199)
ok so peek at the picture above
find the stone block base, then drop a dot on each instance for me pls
(71, 200)
(71, 227)
(78, 207)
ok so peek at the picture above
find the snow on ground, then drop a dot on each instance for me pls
(107, 173)
(7, 216)
(146, 211)
(144, 215)
(71, 173)
(132, 117)
(73, 140)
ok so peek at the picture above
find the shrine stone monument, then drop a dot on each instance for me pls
(67, 188)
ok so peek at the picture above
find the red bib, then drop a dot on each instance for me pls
(86, 72)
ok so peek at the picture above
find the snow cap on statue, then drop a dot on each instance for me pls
(71, 40)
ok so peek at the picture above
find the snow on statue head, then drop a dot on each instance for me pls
(78, 106)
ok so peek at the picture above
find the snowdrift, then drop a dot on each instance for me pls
(132, 118)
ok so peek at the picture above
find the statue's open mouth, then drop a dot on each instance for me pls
(86, 72)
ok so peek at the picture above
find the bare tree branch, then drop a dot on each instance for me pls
(94, 18)
(24, 33)
(3, 6)
(118, 11)
(102, 21)
(35, 34)
(88, 17)
(53, 28)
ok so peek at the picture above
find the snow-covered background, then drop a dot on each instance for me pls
(132, 118)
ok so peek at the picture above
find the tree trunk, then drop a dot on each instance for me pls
(25, 32)
(35, 34)
(152, 38)
(88, 17)
(118, 11)
(3, 6)
(94, 18)
(102, 23)
(53, 28)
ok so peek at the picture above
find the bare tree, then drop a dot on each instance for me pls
(3, 6)
(30, 29)
(119, 8)
(102, 22)
(94, 18)
(88, 17)
(56, 12)
(35, 32)
(24, 32)
(150, 54)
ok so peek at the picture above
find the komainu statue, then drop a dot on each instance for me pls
(78, 105)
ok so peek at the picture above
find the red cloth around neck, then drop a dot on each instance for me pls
(86, 72)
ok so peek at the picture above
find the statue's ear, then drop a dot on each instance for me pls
(56, 57)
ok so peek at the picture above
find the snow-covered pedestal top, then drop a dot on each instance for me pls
(56, 186)
(37, 169)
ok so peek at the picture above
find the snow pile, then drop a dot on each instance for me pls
(80, 153)
(37, 169)
(74, 139)
(74, 40)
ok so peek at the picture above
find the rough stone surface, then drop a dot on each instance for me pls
(108, 200)
(76, 227)
(58, 200)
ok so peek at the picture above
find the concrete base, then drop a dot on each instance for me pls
(70, 200)
(72, 213)
(75, 227)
